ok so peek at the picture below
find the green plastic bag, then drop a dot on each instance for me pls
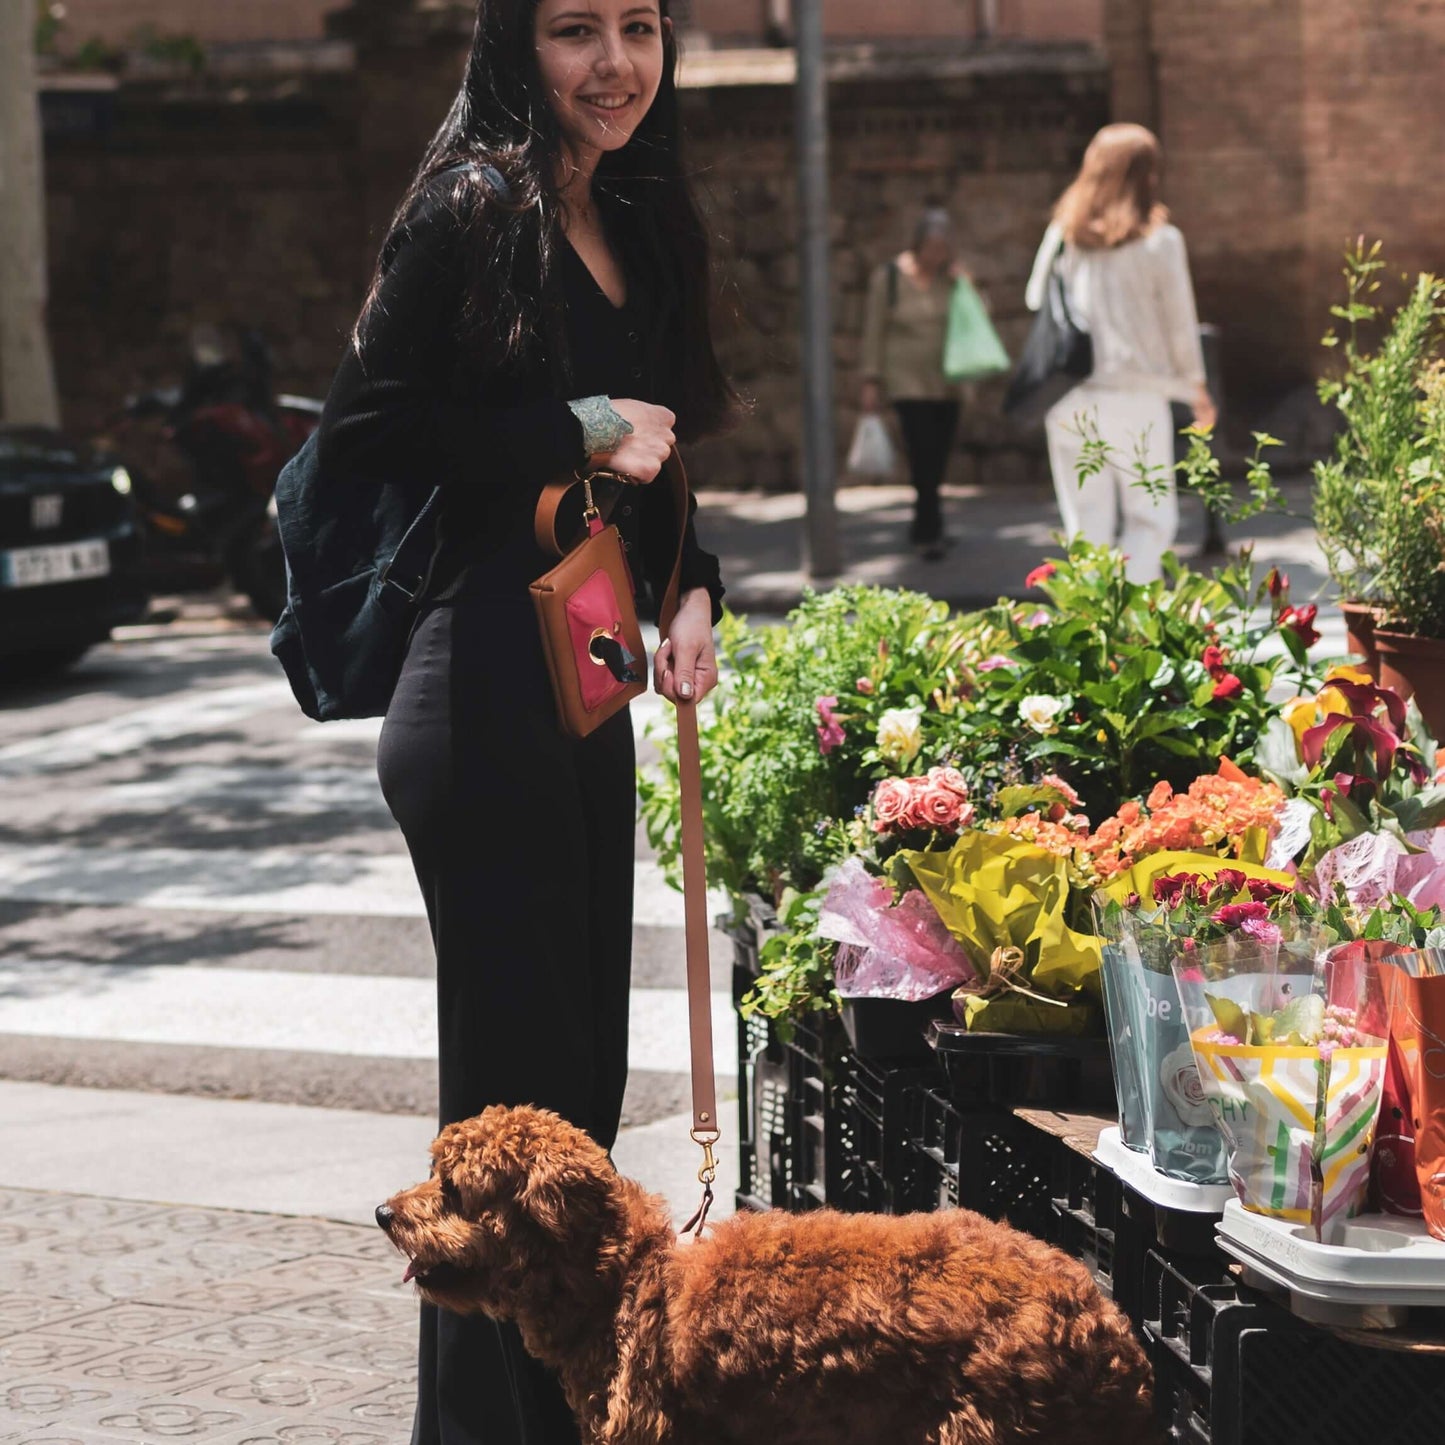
(972, 349)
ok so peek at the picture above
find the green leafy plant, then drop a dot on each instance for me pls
(791, 741)
(1120, 684)
(1358, 510)
(796, 979)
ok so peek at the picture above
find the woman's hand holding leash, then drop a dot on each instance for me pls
(685, 667)
(641, 453)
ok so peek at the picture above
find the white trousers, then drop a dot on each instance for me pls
(1111, 507)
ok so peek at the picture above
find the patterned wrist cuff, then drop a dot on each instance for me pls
(602, 427)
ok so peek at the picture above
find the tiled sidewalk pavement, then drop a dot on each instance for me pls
(142, 1324)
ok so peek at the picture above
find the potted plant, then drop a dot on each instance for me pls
(1410, 634)
(1372, 509)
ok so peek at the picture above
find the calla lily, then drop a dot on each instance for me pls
(1369, 733)
(1348, 672)
(1365, 698)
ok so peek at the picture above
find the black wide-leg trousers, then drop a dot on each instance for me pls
(522, 841)
(928, 429)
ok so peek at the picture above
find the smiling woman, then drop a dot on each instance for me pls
(540, 307)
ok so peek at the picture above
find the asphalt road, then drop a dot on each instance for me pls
(202, 892)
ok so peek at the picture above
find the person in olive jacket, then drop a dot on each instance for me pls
(541, 303)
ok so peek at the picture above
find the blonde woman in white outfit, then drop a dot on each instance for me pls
(1127, 278)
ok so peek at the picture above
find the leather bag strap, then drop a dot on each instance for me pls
(694, 864)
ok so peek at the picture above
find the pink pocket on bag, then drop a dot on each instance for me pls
(594, 622)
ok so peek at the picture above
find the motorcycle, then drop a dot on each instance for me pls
(216, 445)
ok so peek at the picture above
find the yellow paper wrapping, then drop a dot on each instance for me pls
(994, 892)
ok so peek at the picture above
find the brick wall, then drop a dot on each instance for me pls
(216, 21)
(268, 211)
(1289, 126)
(854, 19)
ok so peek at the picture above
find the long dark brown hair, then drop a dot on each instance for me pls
(512, 317)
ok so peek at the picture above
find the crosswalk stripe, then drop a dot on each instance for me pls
(194, 712)
(368, 1016)
(265, 880)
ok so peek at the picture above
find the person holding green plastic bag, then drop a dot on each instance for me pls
(925, 330)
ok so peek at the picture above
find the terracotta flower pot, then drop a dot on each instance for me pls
(1360, 629)
(1415, 667)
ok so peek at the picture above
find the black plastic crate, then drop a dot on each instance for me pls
(891, 1030)
(785, 1111)
(1087, 1203)
(748, 934)
(1011, 1071)
(1232, 1368)
(980, 1159)
(871, 1102)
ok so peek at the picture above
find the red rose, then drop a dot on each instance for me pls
(1226, 687)
(891, 801)
(1263, 889)
(1234, 914)
(1230, 879)
(1301, 621)
(1213, 660)
(1172, 889)
(1041, 573)
(1277, 582)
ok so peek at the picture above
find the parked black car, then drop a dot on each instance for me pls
(69, 550)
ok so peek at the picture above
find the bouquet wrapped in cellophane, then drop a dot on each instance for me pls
(1163, 1111)
(1414, 988)
(1290, 1039)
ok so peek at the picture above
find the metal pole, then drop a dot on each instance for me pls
(821, 557)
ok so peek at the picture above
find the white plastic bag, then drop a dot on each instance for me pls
(871, 454)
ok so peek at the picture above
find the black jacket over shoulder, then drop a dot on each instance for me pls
(414, 411)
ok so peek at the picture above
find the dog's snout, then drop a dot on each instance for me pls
(384, 1215)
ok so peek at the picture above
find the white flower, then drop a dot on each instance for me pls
(900, 735)
(1041, 713)
(1179, 1076)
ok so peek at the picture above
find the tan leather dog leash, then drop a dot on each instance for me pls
(704, 1131)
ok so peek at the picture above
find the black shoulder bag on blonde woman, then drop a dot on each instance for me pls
(1057, 356)
(597, 662)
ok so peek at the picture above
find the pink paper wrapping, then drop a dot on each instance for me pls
(901, 952)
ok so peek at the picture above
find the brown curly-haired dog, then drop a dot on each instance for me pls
(812, 1329)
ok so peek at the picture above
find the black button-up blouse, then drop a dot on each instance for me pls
(409, 410)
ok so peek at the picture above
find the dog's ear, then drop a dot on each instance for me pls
(464, 1158)
(566, 1183)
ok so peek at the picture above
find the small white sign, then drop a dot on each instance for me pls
(41, 566)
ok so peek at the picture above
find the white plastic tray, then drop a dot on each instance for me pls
(1374, 1259)
(1135, 1170)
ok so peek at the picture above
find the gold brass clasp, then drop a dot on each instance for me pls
(590, 512)
(708, 1172)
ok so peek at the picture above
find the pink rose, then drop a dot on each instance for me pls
(891, 801)
(950, 780)
(865, 686)
(936, 808)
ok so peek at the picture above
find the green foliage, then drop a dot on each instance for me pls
(1375, 499)
(797, 967)
(776, 805)
(1127, 659)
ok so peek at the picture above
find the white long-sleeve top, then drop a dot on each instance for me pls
(1137, 302)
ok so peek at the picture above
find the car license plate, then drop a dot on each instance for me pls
(67, 562)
